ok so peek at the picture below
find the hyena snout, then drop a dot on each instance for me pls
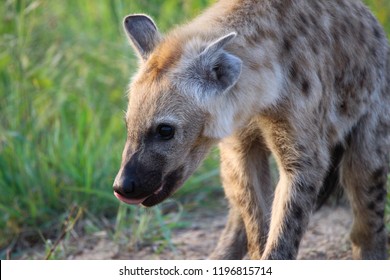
(134, 184)
(125, 185)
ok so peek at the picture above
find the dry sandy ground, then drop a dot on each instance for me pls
(326, 238)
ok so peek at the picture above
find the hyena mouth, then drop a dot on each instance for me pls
(171, 183)
(153, 199)
(158, 196)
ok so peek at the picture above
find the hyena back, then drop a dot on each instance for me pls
(305, 81)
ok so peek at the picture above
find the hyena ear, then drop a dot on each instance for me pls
(223, 67)
(143, 34)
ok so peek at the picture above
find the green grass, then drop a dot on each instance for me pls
(64, 68)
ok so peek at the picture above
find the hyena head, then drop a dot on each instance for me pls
(171, 118)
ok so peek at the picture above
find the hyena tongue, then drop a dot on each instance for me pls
(129, 200)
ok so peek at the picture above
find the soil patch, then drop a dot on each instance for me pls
(326, 238)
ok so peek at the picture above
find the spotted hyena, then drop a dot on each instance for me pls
(305, 81)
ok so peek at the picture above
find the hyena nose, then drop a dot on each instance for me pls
(125, 186)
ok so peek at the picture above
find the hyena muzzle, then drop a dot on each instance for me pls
(304, 81)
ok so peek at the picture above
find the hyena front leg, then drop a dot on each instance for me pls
(302, 168)
(247, 183)
(364, 175)
(232, 244)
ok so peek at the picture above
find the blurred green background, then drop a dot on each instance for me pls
(64, 69)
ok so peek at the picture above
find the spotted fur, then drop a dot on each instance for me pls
(305, 81)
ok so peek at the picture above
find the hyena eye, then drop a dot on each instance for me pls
(165, 131)
(217, 72)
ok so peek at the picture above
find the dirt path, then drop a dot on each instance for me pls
(326, 238)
